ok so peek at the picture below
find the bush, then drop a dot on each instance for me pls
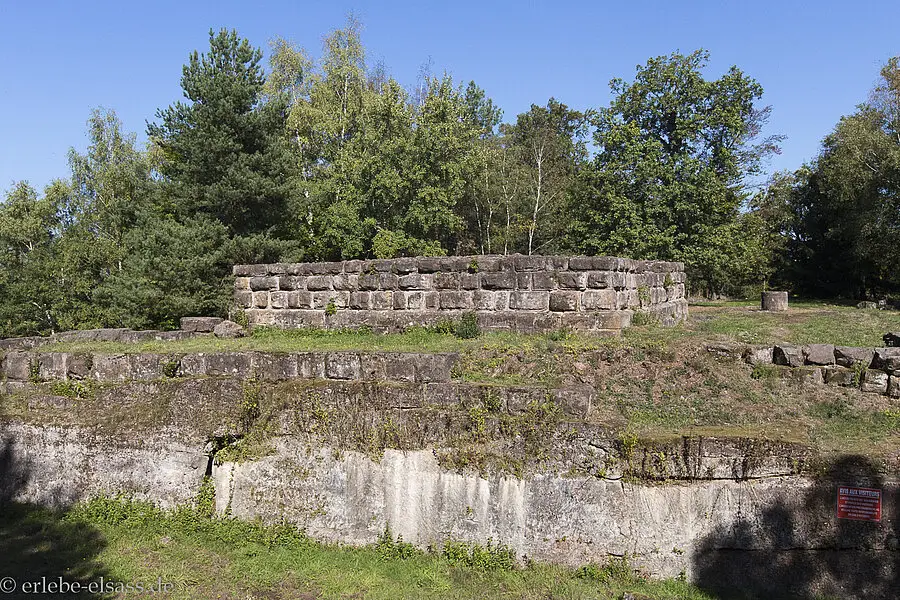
(467, 327)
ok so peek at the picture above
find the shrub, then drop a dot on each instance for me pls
(467, 327)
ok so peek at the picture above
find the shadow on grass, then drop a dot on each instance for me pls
(797, 548)
(38, 544)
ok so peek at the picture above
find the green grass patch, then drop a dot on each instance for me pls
(128, 541)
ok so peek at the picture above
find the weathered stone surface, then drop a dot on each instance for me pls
(539, 300)
(599, 300)
(819, 354)
(758, 355)
(866, 305)
(498, 281)
(875, 381)
(228, 364)
(289, 295)
(200, 324)
(847, 356)
(774, 301)
(894, 386)
(887, 359)
(228, 329)
(564, 300)
(342, 365)
(791, 356)
(841, 376)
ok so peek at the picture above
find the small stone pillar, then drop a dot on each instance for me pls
(775, 301)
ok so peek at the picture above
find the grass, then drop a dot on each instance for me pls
(126, 541)
(804, 323)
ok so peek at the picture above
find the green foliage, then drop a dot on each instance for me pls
(490, 557)
(390, 549)
(34, 371)
(71, 388)
(616, 569)
(837, 218)
(224, 153)
(170, 368)
(251, 401)
(331, 308)
(667, 182)
(467, 327)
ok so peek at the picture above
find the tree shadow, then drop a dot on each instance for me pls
(39, 544)
(797, 548)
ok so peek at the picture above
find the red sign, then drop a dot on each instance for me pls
(859, 504)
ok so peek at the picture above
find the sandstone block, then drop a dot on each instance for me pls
(414, 300)
(342, 365)
(432, 300)
(545, 280)
(598, 300)
(368, 281)
(434, 368)
(469, 281)
(271, 366)
(388, 281)
(361, 300)
(413, 281)
(875, 381)
(400, 367)
(894, 386)
(382, 300)
(498, 281)
(228, 364)
(432, 264)
(791, 356)
(228, 329)
(17, 365)
(563, 300)
(299, 299)
(399, 300)
(243, 298)
(260, 299)
(446, 281)
(319, 283)
(819, 354)
(758, 355)
(529, 301)
(278, 299)
(258, 284)
(887, 359)
(111, 367)
(345, 282)
(774, 301)
(78, 366)
(483, 300)
(310, 365)
(850, 357)
(571, 281)
(840, 376)
(451, 300)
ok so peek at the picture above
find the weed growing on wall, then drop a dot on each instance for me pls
(467, 327)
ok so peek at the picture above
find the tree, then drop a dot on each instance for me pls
(225, 151)
(846, 205)
(669, 177)
(548, 142)
(29, 227)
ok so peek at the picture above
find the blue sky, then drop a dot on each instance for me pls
(815, 60)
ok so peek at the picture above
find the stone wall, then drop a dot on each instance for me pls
(875, 370)
(507, 293)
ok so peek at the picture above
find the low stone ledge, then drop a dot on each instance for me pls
(873, 370)
(265, 366)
